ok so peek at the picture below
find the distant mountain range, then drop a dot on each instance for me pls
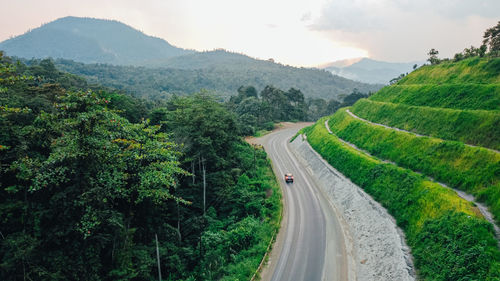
(370, 71)
(90, 40)
(119, 56)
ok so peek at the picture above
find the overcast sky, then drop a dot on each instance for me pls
(295, 32)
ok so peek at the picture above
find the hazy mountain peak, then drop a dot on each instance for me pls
(341, 63)
(90, 40)
(369, 70)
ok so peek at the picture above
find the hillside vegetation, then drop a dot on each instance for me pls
(113, 54)
(473, 83)
(472, 169)
(476, 127)
(448, 237)
(89, 179)
(92, 41)
(451, 104)
(217, 71)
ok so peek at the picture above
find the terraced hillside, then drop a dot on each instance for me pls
(412, 146)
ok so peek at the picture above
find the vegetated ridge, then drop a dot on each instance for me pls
(115, 55)
(217, 71)
(90, 40)
(451, 104)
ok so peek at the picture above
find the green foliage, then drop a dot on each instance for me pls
(492, 39)
(218, 71)
(433, 218)
(455, 96)
(79, 188)
(464, 247)
(433, 59)
(84, 191)
(473, 169)
(476, 127)
(469, 71)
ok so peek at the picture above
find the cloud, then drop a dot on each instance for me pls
(405, 29)
(306, 17)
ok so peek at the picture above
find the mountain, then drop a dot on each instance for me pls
(115, 55)
(370, 71)
(340, 63)
(426, 148)
(218, 71)
(90, 40)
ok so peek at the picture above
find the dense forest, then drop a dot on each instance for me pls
(260, 111)
(90, 178)
(219, 72)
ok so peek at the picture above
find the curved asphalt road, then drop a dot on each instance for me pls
(311, 246)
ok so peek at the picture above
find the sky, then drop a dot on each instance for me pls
(294, 32)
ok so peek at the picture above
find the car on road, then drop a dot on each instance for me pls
(288, 178)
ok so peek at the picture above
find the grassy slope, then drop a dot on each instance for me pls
(468, 71)
(473, 169)
(455, 101)
(469, 84)
(476, 127)
(461, 96)
(449, 240)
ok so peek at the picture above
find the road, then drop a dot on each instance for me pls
(310, 245)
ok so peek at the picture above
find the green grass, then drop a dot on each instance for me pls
(456, 96)
(476, 127)
(472, 169)
(469, 84)
(449, 239)
(473, 70)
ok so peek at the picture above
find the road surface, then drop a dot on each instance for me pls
(310, 245)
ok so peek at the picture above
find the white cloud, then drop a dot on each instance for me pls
(404, 30)
(297, 32)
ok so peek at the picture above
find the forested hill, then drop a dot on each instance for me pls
(218, 71)
(92, 41)
(116, 55)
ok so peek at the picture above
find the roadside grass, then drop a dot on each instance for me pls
(476, 127)
(261, 133)
(473, 169)
(448, 237)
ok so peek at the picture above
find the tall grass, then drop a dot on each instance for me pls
(476, 127)
(457, 96)
(472, 169)
(473, 70)
(448, 238)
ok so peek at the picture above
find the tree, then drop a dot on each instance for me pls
(492, 39)
(433, 59)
